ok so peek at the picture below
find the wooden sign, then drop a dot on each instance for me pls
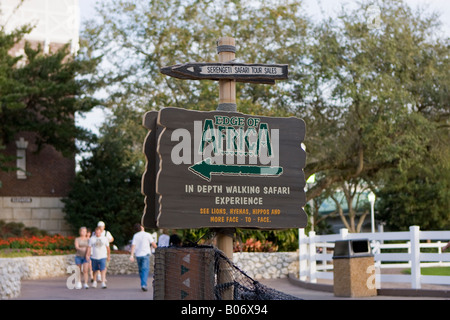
(225, 169)
(151, 169)
(241, 72)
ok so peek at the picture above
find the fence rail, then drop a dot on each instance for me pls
(315, 254)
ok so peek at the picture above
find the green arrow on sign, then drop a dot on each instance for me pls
(204, 169)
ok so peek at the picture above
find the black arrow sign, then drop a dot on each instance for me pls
(205, 169)
(241, 72)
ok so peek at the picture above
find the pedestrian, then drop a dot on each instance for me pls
(446, 246)
(99, 252)
(108, 235)
(164, 239)
(105, 233)
(141, 247)
(81, 259)
(89, 265)
(175, 240)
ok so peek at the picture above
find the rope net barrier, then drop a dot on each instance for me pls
(205, 273)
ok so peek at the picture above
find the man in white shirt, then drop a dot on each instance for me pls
(99, 252)
(141, 247)
(108, 236)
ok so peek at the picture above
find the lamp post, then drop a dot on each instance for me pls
(371, 196)
(311, 180)
(309, 183)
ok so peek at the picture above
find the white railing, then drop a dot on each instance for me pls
(316, 254)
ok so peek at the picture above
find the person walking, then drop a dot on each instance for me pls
(99, 252)
(108, 235)
(89, 265)
(81, 259)
(164, 239)
(104, 232)
(141, 247)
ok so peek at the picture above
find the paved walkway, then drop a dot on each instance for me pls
(127, 287)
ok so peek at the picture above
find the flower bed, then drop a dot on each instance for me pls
(252, 245)
(44, 245)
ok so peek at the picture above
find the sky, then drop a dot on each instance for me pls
(315, 8)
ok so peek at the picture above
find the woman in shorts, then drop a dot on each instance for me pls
(81, 245)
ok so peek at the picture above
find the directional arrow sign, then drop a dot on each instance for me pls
(205, 169)
(241, 72)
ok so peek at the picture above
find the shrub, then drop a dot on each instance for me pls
(252, 245)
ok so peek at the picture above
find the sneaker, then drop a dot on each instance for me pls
(94, 284)
(78, 285)
(144, 288)
(86, 286)
(104, 285)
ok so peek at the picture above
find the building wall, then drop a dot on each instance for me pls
(34, 198)
(54, 21)
(45, 213)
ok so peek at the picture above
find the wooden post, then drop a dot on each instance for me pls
(227, 102)
(227, 88)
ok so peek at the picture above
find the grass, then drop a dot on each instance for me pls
(431, 271)
(14, 253)
(20, 253)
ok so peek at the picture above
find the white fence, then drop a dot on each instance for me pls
(315, 254)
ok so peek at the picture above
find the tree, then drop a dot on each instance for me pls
(136, 39)
(417, 197)
(374, 100)
(106, 188)
(379, 98)
(352, 193)
(41, 93)
(379, 106)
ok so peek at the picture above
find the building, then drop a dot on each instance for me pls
(33, 195)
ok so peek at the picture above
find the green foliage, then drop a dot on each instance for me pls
(269, 240)
(158, 33)
(416, 197)
(378, 97)
(40, 93)
(282, 240)
(431, 271)
(375, 101)
(107, 188)
(18, 229)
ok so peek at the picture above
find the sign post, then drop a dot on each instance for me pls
(226, 48)
(223, 169)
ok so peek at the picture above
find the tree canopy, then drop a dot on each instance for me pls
(41, 93)
(375, 100)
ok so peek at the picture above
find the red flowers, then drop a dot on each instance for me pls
(55, 242)
(252, 245)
